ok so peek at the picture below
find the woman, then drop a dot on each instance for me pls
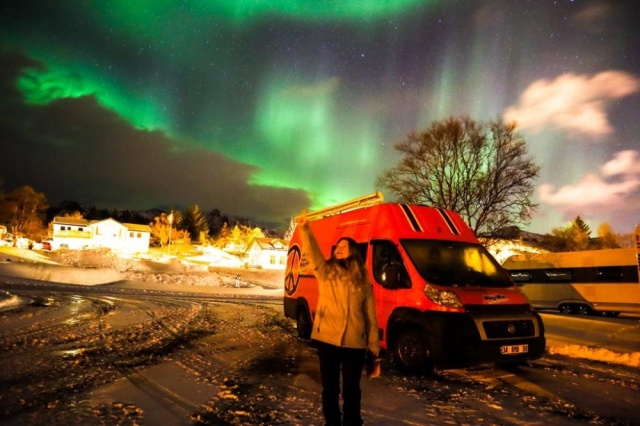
(345, 325)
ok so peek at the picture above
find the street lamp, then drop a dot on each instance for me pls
(170, 218)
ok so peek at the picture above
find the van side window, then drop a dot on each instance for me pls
(388, 268)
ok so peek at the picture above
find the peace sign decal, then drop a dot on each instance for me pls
(292, 274)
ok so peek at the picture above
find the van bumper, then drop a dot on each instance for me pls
(463, 340)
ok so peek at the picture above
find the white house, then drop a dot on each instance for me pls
(71, 233)
(267, 253)
(109, 233)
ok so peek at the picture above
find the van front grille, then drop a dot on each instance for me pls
(508, 329)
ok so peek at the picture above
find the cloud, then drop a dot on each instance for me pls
(575, 103)
(626, 163)
(613, 191)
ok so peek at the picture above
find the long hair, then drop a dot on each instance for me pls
(353, 263)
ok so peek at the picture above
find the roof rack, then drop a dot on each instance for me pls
(356, 203)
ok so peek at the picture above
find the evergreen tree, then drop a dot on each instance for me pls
(195, 223)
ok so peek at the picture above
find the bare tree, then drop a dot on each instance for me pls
(480, 170)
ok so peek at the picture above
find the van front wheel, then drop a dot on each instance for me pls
(411, 351)
(303, 323)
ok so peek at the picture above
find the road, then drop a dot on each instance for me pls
(617, 334)
(109, 355)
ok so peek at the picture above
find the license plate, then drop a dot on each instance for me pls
(514, 349)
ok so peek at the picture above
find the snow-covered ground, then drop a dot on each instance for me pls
(94, 268)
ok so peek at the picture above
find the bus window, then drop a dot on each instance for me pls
(520, 276)
(610, 273)
(560, 275)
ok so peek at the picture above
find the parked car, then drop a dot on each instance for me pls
(46, 245)
(8, 239)
(24, 243)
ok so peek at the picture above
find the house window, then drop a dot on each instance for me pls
(139, 234)
(272, 260)
(131, 234)
(282, 260)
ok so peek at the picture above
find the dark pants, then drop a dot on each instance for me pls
(333, 361)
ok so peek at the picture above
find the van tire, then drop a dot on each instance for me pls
(411, 351)
(303, 323)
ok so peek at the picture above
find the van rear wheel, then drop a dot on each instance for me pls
(411, 351)
(303, 323)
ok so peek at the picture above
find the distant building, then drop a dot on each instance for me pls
(78, 234)
(267, 253)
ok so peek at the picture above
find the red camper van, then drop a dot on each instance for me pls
(442, 300)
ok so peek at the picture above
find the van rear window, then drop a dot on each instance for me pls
(457, 264)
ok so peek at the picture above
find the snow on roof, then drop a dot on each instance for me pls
(64, 220)
(271, 243)
(137, 227)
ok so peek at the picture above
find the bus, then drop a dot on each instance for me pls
(592, 282)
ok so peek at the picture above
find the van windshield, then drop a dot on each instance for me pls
(456, 264)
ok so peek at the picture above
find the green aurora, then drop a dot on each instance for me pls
(311, 95)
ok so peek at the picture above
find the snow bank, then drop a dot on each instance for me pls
(597, 354)
(59, 273)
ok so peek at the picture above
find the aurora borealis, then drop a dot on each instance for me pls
(262, 108)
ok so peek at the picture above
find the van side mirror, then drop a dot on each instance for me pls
(392, 275)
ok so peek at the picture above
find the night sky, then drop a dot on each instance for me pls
(262, 108)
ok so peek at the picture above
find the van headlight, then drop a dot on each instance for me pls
(442, 297)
